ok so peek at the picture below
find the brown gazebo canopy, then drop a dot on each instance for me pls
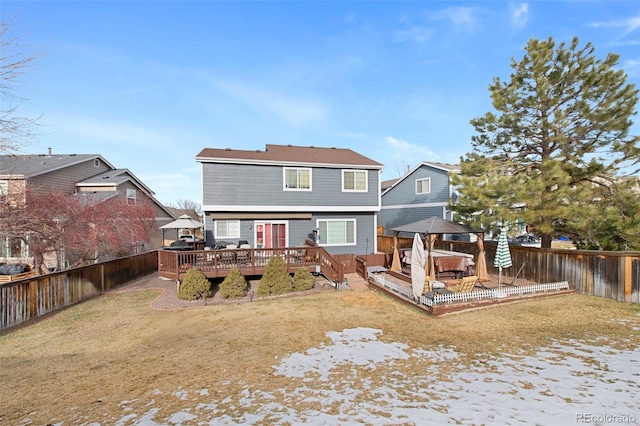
(434, 226)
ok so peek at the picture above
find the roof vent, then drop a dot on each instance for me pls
(227, 149)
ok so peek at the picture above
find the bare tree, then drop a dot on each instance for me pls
(185, 204)
(15, 129)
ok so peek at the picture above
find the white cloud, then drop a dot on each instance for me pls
(405, 155)
(519, 14)
(632, 67)
(295, 112)
(414, 34)
(459, 16)
(628, 25)
(114, 131)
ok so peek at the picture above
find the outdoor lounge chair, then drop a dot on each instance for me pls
(466, 285)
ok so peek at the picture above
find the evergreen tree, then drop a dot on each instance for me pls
(303, 279)
(557, 141)
(234, 285)
(194, 286)
(276, 279)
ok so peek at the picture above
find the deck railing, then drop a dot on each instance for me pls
(218, 263)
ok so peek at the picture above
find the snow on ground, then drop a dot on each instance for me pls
(570, 382)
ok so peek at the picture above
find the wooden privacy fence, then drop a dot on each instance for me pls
(33, 297)
(608, 274)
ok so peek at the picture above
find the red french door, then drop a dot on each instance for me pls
(271, 234)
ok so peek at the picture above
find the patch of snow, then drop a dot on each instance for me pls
(566, 383)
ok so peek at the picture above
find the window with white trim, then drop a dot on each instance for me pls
(4, 187)
(354, 180)
(423, 186)
(131, 196)
(337, 232)
(297, 179)
(227, 229)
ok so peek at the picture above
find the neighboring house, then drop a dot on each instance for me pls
(285, 195)
(422, 193)
(81, 174)
(173, 234)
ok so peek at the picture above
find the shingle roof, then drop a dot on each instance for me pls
(289, 154)
(444, 166)
(114, 178)
(34, 165)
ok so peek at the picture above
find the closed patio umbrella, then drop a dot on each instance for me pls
(417, 266)
(395, 263)
(481, 262)
(503, 256)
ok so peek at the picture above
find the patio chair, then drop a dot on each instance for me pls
(465, 285)
(244, 257)
(228, 257)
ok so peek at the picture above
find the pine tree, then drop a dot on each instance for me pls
(558, 139)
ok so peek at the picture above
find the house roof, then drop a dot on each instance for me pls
(385, 184)
(33, 165)
(289, 154)
(114, 178)
(440, 166)
(27, 166)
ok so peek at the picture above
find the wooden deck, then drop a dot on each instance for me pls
(398, 286)
(250, 262)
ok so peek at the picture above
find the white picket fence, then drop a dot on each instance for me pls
(440, 299)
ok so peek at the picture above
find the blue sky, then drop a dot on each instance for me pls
(149, 84)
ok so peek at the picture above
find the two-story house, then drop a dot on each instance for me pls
(285, 195)
(81, 174)
(423, 192)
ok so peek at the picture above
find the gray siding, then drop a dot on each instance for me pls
(401, 204)
(64, 180)
(301, 229)
(405, 191)
(241, 185)
(390, 218)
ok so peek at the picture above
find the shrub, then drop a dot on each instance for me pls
(276, 278)
(194, 286)
(234, 285)
(303, 280)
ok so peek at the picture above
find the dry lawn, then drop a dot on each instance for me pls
(79, 365)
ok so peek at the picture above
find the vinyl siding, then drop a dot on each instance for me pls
(401, 204)
(301, 229)
(405, 192)
(259, 185)
(390, 218)
(64, 180)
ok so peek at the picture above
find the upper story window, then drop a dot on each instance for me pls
(96, 162)
(423, 186)
(226, 229)
(4, 187)
(131, 196)
(297, 179)
(354, 180)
